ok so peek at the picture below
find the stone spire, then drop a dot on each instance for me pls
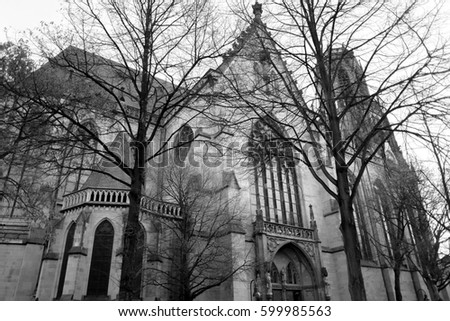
(257, 11)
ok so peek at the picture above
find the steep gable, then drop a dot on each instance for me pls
(254, 62)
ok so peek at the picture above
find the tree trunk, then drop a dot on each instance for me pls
(432, 289)
(397, 287)
(185, 289)
(348, 227)
(184, 286)
(128, 290)
(351, 246)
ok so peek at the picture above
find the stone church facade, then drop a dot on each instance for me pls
(288, 226)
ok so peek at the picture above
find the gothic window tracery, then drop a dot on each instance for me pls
(362, 226)
(264, 73)
(344, 79)
(296, 280)
(383, 209)
(276, 184)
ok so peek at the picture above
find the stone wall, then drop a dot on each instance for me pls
(21, 249)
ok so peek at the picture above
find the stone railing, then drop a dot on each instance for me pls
(111, 197)
(288, 230)
(160, 208)
(96, 196)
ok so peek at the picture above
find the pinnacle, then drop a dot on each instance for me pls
(257, 11)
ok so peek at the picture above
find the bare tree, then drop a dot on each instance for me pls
(432, 234)
(194, 249)
(396, 203)
(431, 241)
(15, 66)
(348, 109)
(23, 136)
(436, 139)
(154, 52)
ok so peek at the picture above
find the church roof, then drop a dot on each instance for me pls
(108, 175)
(80, 59)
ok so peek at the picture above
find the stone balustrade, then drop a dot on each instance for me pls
(97, 196)
(111, 197)
(160, 208)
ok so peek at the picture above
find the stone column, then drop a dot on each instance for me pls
(269, 291)
(261, 250)
(417, 286)
(77, 254)
(283, 285)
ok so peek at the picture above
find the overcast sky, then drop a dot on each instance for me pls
(19, 15)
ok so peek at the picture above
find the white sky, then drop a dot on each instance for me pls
(19, 15)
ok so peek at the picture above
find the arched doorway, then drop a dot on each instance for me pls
(292, 276)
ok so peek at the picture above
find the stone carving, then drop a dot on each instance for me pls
(308, 247)
(287, 230)
(257, 288)
(283, 276)
(268, 284)
(273, 243)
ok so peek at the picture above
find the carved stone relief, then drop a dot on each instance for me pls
(273, 243)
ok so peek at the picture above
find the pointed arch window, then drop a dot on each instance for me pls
(344, 80)
(65, 259)
(362, 228)
(182, 144)
(276, 186)
(274, 274)
(361, 213)
(291, 274)
(383, 208)
(346, 85)
(101, 260)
